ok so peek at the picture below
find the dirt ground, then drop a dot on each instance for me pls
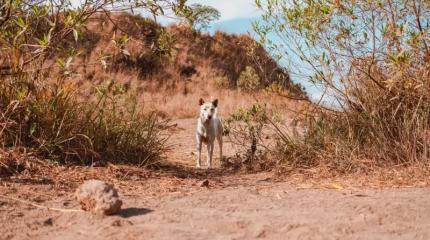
(171, 204)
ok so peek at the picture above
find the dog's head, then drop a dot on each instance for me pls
(208, 109)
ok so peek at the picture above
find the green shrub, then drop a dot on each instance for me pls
(248, 80)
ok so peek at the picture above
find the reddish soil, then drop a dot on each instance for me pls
(171, 204)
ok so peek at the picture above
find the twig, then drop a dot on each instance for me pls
(41, 206)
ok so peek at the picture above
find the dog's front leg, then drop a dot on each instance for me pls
(210, 153)
(199, 152)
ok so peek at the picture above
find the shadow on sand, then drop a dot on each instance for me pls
(132, 212)
(183, 172)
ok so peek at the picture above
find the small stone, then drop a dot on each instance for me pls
(48, 222)
(204, 183)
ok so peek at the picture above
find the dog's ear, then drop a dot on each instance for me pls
(201, 101)
(215, 102)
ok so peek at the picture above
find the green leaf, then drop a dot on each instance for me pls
(60, 63)
(33, 127)
(20, 22)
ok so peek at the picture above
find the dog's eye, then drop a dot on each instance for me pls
(212, 109)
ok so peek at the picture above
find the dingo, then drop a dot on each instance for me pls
(208, 128)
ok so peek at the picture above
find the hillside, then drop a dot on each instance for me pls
(176, 60)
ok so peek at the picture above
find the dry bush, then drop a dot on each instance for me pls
(383, 129)
(72, 81)
(50, 121)
(221, 82)
(249, 130)
(379, 77)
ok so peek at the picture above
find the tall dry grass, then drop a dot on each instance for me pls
(379, 128)
(50, 121)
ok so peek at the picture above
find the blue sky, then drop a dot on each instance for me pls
(236, 15)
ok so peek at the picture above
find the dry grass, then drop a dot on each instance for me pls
(176, 104)
(50, 121)
(417, 175)
(380, 126)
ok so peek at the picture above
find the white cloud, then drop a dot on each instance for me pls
(231, 9)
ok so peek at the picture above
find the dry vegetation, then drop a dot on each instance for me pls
(374, 58)
(95, 93)
(94, 86)
(90, 86)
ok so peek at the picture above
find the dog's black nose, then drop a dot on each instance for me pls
(210, 117)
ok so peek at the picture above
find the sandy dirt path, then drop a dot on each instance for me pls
(234, 206)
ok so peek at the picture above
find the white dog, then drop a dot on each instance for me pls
(208, 128)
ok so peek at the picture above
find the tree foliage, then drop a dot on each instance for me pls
(201, 16)
(332, 42)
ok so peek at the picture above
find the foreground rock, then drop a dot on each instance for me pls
(98, 197)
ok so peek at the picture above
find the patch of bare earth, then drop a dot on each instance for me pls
(172, 204)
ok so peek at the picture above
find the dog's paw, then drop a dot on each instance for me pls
(198, 166)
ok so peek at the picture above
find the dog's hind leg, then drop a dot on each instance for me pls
(219, 138)
(199, 153)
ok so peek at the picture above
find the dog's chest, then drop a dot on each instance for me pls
(205, 133)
